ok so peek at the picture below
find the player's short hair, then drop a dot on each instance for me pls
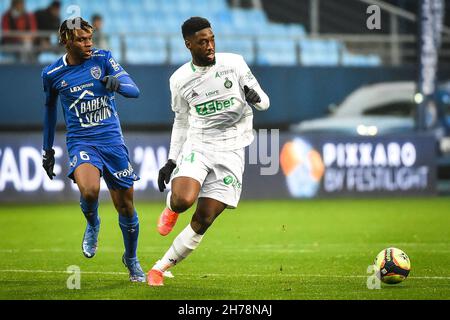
(68, 27)
(194, 24)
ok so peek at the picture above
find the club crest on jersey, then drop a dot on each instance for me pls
(63, 84)
(228, 84)
(96, 72)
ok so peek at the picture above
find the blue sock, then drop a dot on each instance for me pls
(130, 232)
(90, 210)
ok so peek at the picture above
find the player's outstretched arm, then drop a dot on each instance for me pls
(257, 98)
(178, 137)
(253, 92)
(179, 134)
(124, 85)
(50, 116)
(48, 159)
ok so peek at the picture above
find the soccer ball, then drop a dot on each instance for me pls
(392, 265)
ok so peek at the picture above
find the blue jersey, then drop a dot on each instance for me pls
(90, 111)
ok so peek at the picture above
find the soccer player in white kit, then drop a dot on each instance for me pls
(212, 98)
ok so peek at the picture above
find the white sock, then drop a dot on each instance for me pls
(181, 247)
(169, 194)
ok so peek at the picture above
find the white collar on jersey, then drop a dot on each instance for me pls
(65, 59)
(201, 69)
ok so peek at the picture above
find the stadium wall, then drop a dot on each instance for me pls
(296, 93)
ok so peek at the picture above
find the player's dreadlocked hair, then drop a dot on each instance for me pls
(194, 24)
(68, 27)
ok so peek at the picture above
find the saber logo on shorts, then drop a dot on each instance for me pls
(230, 180)
(213, 106)
(124, 173)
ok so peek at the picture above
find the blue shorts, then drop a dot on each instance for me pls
(113, 163)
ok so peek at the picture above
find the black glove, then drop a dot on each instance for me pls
(251, 95)
(164, 174)
(111, 83)
(48, 162)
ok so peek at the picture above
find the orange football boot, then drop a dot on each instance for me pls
(155, 278)
(167, 221)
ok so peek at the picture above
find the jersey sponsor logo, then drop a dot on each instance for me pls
(249, 76)
(219, 74)
(91, 113)
(212, 93)
(228, 84)
(114, 64)
(96, 72)
(83, 86)
(128, 172)
(213, 106)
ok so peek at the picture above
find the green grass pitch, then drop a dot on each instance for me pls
(317, 249)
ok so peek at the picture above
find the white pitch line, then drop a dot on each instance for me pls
(219, 274)
(57, 271)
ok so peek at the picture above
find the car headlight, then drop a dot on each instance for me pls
(364, 130)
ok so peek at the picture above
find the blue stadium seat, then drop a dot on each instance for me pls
(115, 47)
(48, 57)
(132, 8)
(374, 60)
(146, 50)
(270, 30)
(222, 17)
(244, 47)
(171, 6)
(150, 5)
(215, 6)
(360, 60)
(138, 23)
(32, 6)
(295, 30)
(146, 57)
(239, 17)
(276, 52)
(6, 58)
(116, 5)
(179, 54)
(158, 21)
(257, 16)
(319, 52)
(244, 31)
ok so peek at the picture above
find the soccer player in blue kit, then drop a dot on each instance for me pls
(86, 80)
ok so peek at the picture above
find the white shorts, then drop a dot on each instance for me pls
(218, 172)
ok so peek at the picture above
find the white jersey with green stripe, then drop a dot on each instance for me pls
(209, 103)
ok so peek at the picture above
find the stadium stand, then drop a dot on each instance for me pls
(149, 30)
(320, 52)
